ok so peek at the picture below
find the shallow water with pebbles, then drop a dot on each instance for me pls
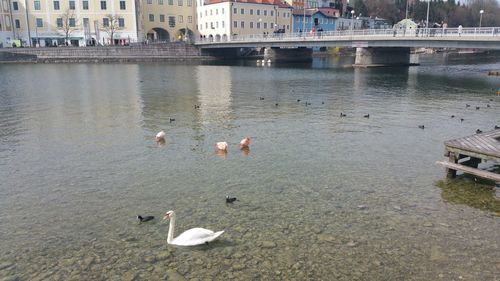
(319, 197)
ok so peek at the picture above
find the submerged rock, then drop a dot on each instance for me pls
(268, 244)
(173, 275)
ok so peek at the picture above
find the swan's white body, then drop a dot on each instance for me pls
(191, 237)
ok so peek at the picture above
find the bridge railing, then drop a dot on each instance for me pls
(361, 34)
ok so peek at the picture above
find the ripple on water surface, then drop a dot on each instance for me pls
(320, 197)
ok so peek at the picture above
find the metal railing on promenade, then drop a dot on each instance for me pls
(483, 33)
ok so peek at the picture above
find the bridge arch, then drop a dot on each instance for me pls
(158, 34)
(217, 38)
(224, 37)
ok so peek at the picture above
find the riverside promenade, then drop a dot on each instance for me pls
(104, 54)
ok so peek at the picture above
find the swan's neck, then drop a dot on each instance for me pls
(170, 235)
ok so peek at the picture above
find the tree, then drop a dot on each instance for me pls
(111, 24)
(360, 8)
(69, 24)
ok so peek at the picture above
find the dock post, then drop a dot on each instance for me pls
(450, 173)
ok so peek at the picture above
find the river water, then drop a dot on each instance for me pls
(320, 197)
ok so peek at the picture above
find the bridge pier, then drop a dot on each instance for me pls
(288, 54)
(393, 56)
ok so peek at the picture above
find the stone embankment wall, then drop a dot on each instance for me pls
(137, 53)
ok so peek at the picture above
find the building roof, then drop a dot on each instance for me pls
(327, 12)
(279, 3)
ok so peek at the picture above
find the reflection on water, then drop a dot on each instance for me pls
(319, 197)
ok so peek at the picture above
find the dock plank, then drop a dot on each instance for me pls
(470, 170)
(485, 145)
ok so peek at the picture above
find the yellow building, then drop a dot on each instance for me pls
(168, 20)
(6, 30)
(218, 20)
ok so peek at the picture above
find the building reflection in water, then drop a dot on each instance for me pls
(214, 96)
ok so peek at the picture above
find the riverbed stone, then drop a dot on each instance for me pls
(173, 275)
(268, 244)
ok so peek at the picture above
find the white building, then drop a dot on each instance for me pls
(220, 19)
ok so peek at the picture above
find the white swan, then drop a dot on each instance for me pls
(191, 237)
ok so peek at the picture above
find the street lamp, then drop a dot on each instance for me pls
(428, 6)
(304, 19)
(480, 17)
(352, 21)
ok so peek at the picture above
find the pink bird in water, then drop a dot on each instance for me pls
(221, 145)
(244, 142)
(160, 136)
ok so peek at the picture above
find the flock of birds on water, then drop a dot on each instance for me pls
(200, 236)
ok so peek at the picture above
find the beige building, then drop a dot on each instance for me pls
(77, 22)
(89, 22)
(6, 30)
(218, 20)
(169, 20)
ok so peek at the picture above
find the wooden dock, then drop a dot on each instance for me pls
(465, 154)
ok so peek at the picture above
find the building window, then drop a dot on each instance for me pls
(190, 19)
(265, 12)
(59, 22)
(190, 3)
(287, 26)
(151, 17)
(251, 11)
(242, 11)
(37, 5)
(272, 13)
(210, 11)
(18, 24)
(86, 23)
(206, 12)
(216, 11)
(105, 22)
(123, 5)
(180, 19)
(235, 24)
(201, 26)
(39, 22)
(72, 5)
(103, 5)
(162, 18)
(72, 22)
(15, 6)
(222, 24)
(171, 21)
(179, 2)
(258, 25)
(56, 5)
(201, 15)
(171, 2)
(121, 22)
(258, 12)
(85, 5)
(251, 24)
(265, 25)
(149, 2)
(160, 2)
(235, 11)
(242, 25)
(206, 25)
(222, 10)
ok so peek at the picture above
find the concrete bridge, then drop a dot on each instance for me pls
(373, 46)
